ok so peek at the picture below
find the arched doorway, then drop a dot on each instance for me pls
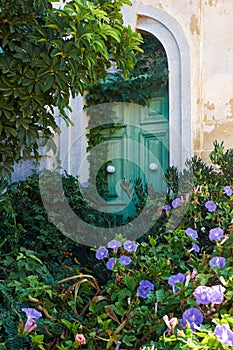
(132, 145)
(168, 31)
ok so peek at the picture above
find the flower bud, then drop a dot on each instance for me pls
(20, 327)
(80, 339)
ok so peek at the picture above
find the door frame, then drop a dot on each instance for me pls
(168, 31)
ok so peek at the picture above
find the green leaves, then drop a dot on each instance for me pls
(130, 282)
(37, 340)
(160, 294)
(143, 78)
(48, 54)
(35, 256)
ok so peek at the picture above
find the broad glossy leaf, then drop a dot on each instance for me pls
(48, 83)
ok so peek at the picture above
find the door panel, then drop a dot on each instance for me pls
(155, 158)
(138, 149)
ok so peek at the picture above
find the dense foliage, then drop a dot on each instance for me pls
(150, 73)
(47, 55)
(150, 288)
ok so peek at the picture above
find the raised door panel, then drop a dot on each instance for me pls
(138, 148)
(155, 159)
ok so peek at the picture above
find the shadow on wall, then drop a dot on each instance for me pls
(25, 168)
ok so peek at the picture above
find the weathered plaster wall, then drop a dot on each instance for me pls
(207, 25)
(217, 73)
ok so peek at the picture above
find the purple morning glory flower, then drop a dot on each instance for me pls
(143, 292)
(114, 244)
(228, 191)
(147, 284)
(209, 295)
(193, 316)
(191, 233)
(101, 253)
(217, 261)
(216, 233)
(179, 278)
(203, 295)
(4, 191)
(224, 334)
(111, 264)
(130, 246)
(125, 260)
(217, 294)
(176, 203)
(195, 247)
(211, 206)
(167, 208)
(84, 184)
(144, 288)
(32, 314)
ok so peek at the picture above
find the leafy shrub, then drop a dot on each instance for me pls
(148, 288)
(42, 64)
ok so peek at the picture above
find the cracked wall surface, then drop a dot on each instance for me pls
(207, 25)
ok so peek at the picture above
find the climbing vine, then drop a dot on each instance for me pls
(149, 73)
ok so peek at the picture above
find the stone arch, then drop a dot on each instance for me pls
(168, 31)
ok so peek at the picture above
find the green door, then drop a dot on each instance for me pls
(139, 149)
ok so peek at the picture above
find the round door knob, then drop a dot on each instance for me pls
(153, 166)
(111, 169)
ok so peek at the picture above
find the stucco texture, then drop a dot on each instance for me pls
(207, 26)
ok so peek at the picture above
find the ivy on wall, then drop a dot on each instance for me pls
(150, 73)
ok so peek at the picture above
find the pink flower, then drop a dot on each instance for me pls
(80, 339)
(170, 323)
(20, 327)
(226, 237)
(194, 273)
(197, 189)
(188, 277)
